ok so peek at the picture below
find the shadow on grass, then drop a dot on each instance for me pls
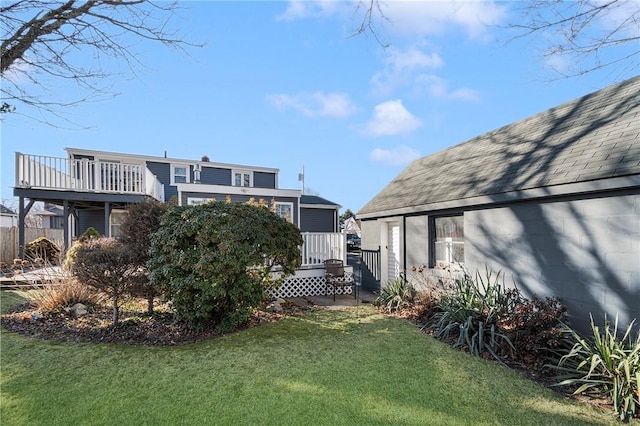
(327, 367)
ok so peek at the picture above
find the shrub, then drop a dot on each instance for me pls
(213, 261)
(605, 365)
(535, 328)
(105, 264)
(136, 228)
(471, 316)
(91, 232)
(43, 248)
(65, 293)
(397, 294)
(70, 256)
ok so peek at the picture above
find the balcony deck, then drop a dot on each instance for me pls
(39, 172)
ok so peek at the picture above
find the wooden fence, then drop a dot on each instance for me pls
(9, 240)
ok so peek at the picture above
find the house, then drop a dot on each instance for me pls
(95, 187)
(8, 218)
(51, 217)
(551, 201)
(352, 226)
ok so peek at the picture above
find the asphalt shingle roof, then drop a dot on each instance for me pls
(314, 199)
(7, 211)
(593, 137)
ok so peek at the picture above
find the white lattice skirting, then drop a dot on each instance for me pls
(310, 282)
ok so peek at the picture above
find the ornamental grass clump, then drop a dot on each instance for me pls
(395, 295)
(470, 317)
(604, 365)
(65, 293)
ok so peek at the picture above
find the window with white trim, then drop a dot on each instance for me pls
(448, 242)
(242, 178)
(115, 220)
(285, 211)
(179, 173)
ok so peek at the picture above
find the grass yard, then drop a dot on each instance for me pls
(328, 367)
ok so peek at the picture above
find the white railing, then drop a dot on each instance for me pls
(44, 172)
(320, 246)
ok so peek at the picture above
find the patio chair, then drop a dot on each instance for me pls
(335, 277)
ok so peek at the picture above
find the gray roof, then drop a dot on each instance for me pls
(6, 211)
(314, 199)
(593, 137)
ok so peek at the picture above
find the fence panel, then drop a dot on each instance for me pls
(371, 270)
(9, 240)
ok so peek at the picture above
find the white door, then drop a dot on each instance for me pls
(393, 251)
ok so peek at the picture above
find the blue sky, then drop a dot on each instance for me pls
(281, 84)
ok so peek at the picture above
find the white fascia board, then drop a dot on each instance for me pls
(320, 206)
(589, 187)
(238, 190)
(143, 158)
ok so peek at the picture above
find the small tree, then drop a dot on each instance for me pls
(139, 223)
(106, 264)
(215, 260)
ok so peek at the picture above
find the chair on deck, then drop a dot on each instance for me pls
(335, 277)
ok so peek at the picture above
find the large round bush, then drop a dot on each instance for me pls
(214, 261)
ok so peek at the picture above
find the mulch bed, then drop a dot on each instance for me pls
(134, 328)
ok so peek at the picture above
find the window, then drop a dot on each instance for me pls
(448, 242)
(57, 222)
(179, 174)
(242, 178)
(285, 211)
(115, 219)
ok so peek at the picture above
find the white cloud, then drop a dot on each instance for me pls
(438, 87)
(401, 67)
(421, 18)
(297, 9)
(318, 104)
(398, 156)
(391, 118)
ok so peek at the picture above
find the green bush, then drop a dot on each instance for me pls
(213, 261)
(107, 265)
(91, 232)
(395, 295)
(604, 365)
(43, 248)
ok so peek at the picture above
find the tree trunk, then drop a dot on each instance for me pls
(116, 313)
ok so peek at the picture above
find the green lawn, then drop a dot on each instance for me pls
(330, 367)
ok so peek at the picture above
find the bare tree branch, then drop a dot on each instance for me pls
(371, 9)
(42, 40)
(589, 35)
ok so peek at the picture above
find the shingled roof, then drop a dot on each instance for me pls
(594, 137)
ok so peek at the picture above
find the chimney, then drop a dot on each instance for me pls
(205, 159)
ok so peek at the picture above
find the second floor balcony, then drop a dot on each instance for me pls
(85, 175)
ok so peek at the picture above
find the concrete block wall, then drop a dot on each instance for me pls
(585, 251)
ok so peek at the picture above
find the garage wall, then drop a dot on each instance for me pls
(587, 252)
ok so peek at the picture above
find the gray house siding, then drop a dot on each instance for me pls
(240, 199)
(215, 176)
(163, 173)
(264, 180)
(317, 220)
(91, 218)
(585, 251)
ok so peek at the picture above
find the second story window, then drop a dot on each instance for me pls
(179, 174)
(242, 178)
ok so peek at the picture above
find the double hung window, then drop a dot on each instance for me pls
(448, 242)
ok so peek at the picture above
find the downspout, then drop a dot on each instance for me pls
(404, 247)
